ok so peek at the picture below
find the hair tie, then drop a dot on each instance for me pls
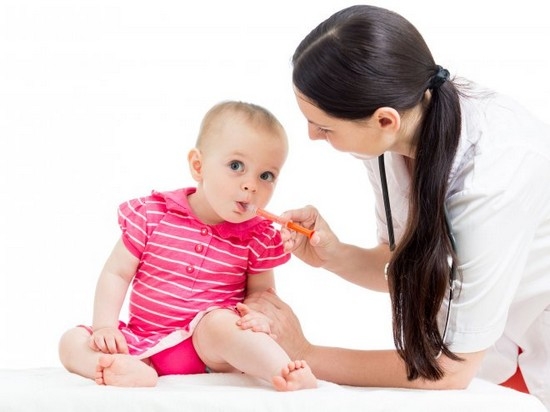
(439, 78)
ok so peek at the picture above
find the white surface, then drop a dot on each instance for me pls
(100, 101)
(54, 390)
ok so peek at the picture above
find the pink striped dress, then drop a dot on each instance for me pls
(187, 268)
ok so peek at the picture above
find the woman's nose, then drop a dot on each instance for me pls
(314, 134)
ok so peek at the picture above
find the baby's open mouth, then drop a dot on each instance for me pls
(243, 206)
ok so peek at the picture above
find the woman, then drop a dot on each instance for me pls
(461, 180)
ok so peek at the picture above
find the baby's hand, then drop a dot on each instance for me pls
(108, 340)
(257, 321)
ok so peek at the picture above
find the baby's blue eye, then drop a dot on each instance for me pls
(236, 165)
(268, 176)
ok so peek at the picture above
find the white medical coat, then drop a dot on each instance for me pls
(499, 208)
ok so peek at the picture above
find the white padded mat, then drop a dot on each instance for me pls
(55, 390)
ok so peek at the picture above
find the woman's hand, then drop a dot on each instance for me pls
(322, 246)
(108, 340)
(284, 323)
(361, 266)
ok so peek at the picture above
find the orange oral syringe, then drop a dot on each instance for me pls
(289, 224)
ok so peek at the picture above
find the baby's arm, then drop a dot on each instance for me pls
(251, 319)
(111, 290)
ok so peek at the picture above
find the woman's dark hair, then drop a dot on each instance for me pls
(358, 60)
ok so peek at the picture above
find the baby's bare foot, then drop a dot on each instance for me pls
(296, 375)
(124, 370)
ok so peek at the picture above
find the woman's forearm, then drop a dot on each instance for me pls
(383, 368)
(363, 267)
(354, 367)
(375, 368)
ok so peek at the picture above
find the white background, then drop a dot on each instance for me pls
(100, 101)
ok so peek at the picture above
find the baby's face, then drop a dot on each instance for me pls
(240, 168)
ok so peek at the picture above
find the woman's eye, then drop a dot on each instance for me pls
(236, 165)
(267, 176)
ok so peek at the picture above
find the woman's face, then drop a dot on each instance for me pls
(361, 138)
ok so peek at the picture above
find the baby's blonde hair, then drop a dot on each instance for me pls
(257, 115)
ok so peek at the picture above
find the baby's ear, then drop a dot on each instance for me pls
(195, 163)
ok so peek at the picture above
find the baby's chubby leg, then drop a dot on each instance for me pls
(224, 347)
(78, 357)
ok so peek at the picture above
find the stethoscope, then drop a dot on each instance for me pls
(391, 241)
